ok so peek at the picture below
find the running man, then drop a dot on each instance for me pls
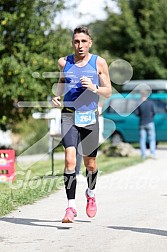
(83, 77)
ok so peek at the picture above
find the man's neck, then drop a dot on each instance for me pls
(79, 60)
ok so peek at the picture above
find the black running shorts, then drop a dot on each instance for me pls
(84, 139)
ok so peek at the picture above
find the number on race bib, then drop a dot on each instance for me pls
(83, 119)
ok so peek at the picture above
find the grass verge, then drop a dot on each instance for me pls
(35, 182)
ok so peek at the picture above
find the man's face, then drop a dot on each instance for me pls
(81, 44)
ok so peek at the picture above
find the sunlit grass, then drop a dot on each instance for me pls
(36, 182)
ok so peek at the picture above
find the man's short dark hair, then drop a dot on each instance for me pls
(81, 29)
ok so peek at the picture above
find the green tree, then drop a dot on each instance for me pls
(28, 44)
(138, 34)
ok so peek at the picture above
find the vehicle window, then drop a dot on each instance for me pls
(117, 106)
(160, 106)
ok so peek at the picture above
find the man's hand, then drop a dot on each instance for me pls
(56, 101)
(87, 83)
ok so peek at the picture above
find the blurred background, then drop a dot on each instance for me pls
(34, 34)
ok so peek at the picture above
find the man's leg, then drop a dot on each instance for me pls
(143, 135)
(152, 138)
(78, 163)
(91, 173)
(70, 183)
(69, 140)
(69, 174)
(89, 142)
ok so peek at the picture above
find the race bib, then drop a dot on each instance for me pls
(85, 118)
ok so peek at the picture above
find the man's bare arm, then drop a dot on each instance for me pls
(105, 83)
(60, 86)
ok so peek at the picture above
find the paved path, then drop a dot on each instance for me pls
(132, 216)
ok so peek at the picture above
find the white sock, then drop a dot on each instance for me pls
(91, 193)
(71, 203)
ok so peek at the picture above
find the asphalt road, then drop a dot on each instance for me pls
(131, 217)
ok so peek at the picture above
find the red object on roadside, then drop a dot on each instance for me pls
(7, 165)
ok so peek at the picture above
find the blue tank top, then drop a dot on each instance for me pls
(76, 96)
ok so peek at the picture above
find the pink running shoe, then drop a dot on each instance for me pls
(91, 207)
(69, 216)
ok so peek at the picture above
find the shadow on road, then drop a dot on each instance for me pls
(142, 230)
(34, 222)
